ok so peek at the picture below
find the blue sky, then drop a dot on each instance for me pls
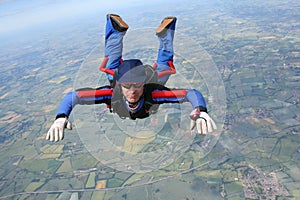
(17, 15)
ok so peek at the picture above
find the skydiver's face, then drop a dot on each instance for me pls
(132, 91)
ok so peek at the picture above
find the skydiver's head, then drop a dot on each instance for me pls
(131, 77)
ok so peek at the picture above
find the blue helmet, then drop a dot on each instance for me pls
(131, 71)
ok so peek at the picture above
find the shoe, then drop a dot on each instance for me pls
(162, 28)
(118, 23)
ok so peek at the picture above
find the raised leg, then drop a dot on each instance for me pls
(165, 33)
(114, 33)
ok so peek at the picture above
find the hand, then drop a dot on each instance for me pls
(56, 131)
(203, 121)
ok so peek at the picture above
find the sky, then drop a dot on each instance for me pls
(18, 15)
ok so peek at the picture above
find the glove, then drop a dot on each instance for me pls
(56, 131)
(203, 121)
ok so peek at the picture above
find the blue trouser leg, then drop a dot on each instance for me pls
(165, 51)
(113, 46)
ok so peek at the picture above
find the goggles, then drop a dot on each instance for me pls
(134, 85)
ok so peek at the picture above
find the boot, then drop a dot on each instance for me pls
(118, 23)
(165, 24)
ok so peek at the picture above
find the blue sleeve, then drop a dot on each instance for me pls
(72, 99)
(67, 104)
(195, 98)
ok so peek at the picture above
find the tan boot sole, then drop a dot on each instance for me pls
(164, 24)
(119, 21)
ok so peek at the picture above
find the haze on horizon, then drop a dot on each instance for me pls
(18, 15)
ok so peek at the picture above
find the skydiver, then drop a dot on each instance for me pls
(135, 89)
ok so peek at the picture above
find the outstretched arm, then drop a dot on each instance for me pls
(199, 116)
(85, 96)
